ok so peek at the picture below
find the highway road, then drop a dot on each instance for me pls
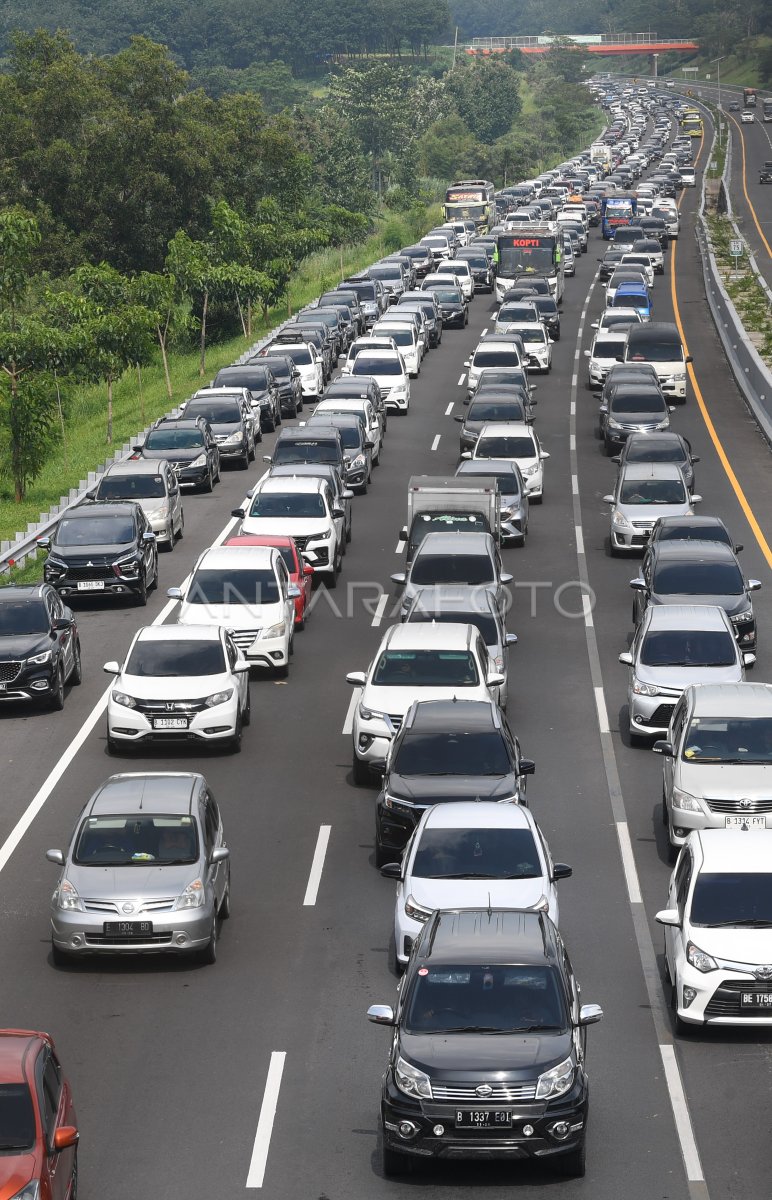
(178, 1069)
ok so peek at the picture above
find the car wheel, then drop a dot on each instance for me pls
(113, 747)
(362, 489)
(208, 484)
(235, 745)
(253, 449)
(56, 698)
(394, 1163)
(572, 1164)
(360, 772)
(140, 597)
(224, 911)
(607, 448)
(169, 535)
(208, 956)
(269, 425)
(181, 532)
(247, 458)
(218, 476)
(382, 855)
(283, 671)
(299, 406)
(246, 716)
(154, 584)
(332, 579)
(638, 740)
(76, 674)
(348, 532)
(60, 958)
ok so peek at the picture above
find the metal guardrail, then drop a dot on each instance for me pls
(580, 39)
(753, 376)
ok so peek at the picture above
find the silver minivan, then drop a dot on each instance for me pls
(154, 485)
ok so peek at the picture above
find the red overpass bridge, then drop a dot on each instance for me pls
(600, 43)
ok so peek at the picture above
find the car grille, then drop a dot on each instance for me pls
(9, 671)
(725, 1001)
(396, 720)
(385, 391)
(167, 707)
(743, 807)
(642, 525)
(245, 637)
(661, 715)
(97, 571)
(300, 542)
(165, 904)
(499, 1091)
(152, 939)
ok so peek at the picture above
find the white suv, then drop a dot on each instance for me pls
(247, 590)
(415, 662)
(607, 349)
(303, 507)
(179, 683)
(388, 369)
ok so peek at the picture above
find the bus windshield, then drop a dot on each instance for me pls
(524, 255)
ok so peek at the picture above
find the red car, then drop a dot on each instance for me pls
(38, 1134)
(299, 572)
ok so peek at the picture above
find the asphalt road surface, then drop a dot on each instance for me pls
(178, 1069)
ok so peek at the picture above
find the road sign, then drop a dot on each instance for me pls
(735, 248)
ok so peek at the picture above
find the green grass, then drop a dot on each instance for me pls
(85, 446)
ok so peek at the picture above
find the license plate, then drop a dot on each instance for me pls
(745, 822)
(756, 1000)
(125, 929)
(170, 723)
(91, 585)
(483, 1118)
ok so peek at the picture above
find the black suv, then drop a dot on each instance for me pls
(231, 422)
(446, 750)
(102, 549)
(274, 385)
(189, 445)
(450, 1091)
(39, 645)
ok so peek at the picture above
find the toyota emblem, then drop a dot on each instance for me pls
(484, 1089)
(763, 972)
(745, 803)
(128, 908)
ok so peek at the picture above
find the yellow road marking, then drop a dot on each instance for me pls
(745, 189)
(723, 459)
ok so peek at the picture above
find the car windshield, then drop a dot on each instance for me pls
(279, 369)
(95, 531)
(638, 402)
(503, 357)
(655, 449)
(426, 668)
(394, 272)
(732, 898)
(300, 355)
(222, 412)
(429, 569)
(654, 351)
(604, 348)
(136, 839)
(505, 447)
(545, 305)
(689, 648)
(531, 336)
(17, 1118)
(367, 365)
(22, 616)
(306, 451)
(477, 854)
(449, 295)
(490, 999)
(131, 487)
(170, 660)
(496, 410)
(737, 741)
(174, 439)
(226, 585)
(453, 753)
(652, 491)
(287, 504)
(698, 579)
(482, 621)
(402, 335)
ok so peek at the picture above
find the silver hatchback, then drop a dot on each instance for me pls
(147, 871)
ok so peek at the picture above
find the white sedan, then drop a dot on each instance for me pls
(515, 442)
(472, 855)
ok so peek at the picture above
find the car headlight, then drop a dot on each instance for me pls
(372, 714)
(66, 897)
(411, 1081)
(193, 896)
(645, 689)
(39, 659)
(685, 801)
(528, 471)
(699, 959)
(55, 564)
(396, 804)
(416, 911)
(612, 424)
(274, 631)
(122, 698)
(200, 461)
(358, 462)
(619, 518)
(680, 377)
(663, 424)
(556, 1081)
(739, 618)
(30, 1191)
(320, 537)
(127, 562)
(233, 440)
(219, 698)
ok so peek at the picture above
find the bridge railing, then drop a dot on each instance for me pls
(526, 41)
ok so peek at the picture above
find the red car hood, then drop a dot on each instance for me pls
(16, 1171)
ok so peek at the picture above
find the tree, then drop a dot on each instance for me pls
(487, 96)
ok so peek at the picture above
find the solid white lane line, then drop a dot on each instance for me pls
(572, 441)
(628, 863)
(683, 1121)
(265, 1121)
(600, 704)
(317, 866)
(462, 379)
(400, 546)
(574, 380)
(449, 409)
(348, 724)
(436, 441)
(380, 608)
(580, 547)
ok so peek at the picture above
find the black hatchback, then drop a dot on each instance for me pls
(39, 645)
(101, 549)
(487, 1056)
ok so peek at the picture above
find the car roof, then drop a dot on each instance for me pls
(661, 438)
(732, 699)
(489, 936)
(685, 616)
(478, 814)
(137, 466)
(450, 636)
(239, 556)
(467, 716)
(22, 591)
(179, 633)
(279, 540)
(487, 466)
(15, 1047)
(300, 434)
(655, 470)
(726, 851)
(693, 548)
(448, 543)
(703, 519)
(151, 791)
(103, 508)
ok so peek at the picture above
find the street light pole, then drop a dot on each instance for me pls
(718, 62)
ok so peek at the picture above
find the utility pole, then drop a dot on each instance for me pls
(455, 49)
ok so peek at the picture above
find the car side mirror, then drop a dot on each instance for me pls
(112, 668)
(338, 512)
(381, 1014)
(60, 623)
(603, 408)
(219, 854)
(638, 585)
(748, 659)
(467, 362)
(148, 536)
(590, 1014)
(44, 543)
(663, 747)
(460, 419)
(754, 585)
(307, 569)
(510, 639)
(495, 679)
(527, 767)
(561, 871)
(543, 454)
(587, 354)
(65, 1137)
(668, 916)
(626, 658)
(608, 499)
(356, 678)
(392, 871)
(267, 458)
(240, 666)
(55, 856)
(696, 498)
(238, 512)
(689, 358)
(294, 592)
(174, 593)
(399, 578)
(505, 577)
